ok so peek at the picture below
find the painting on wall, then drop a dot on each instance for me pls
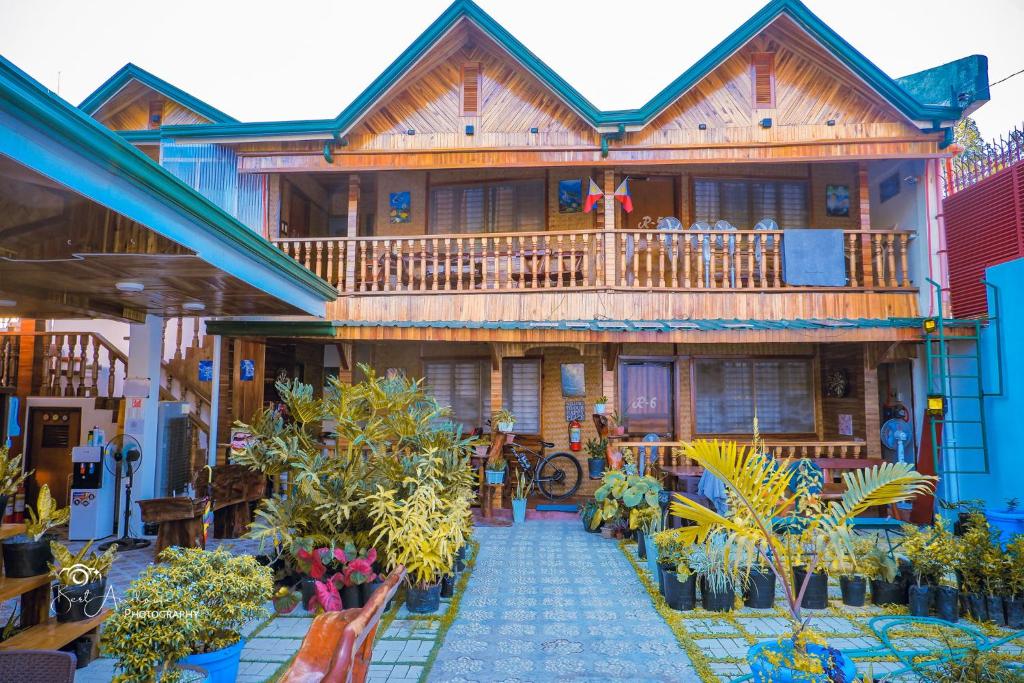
(398, 207)
(889, 188)
(246, 369)
(845, 424)
(206, 371)
(837, 200)
(574, 383)
(570, 196)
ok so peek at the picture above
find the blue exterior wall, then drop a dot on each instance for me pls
(1004, 415)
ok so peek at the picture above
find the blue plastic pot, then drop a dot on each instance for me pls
(518, 510)
(495, 476)
(1008, 523)
(220, 665)
(652, 557)
(832, 660)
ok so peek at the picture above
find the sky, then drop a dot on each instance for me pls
(263, 60)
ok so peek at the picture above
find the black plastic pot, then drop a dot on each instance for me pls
(460, 559)
(994, 604)
(78, 603)
(888, 592)
(421, 600)
(350, 598)
(976, 605)
(717, 601)
(854, 589)
(760, 589)
(681, 595)
(947, 603)
(921, 598)
(1015, 613)
(662, 568)
(307, 589)
(25, 558)
(447, 586)
(595, 467)
(366, 590)
(816, 595)
(641, 546)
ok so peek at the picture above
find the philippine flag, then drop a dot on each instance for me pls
(623, 196)
(594, 195)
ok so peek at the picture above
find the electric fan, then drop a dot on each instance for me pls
(895, 433)
(122, 456)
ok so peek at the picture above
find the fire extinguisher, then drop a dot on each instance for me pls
(575, 435)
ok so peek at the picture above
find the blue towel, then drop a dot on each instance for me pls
(713, 488)
(813, 258)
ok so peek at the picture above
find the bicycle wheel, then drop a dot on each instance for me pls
(558, 476)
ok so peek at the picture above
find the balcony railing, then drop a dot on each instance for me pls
(737, 260)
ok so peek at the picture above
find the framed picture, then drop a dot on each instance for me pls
(570, 196)
(398, 207)
(845, 424)
(889, 188)
(206, 371)
(574, 383)
(575, 410)
(837, 200)
(246, 369)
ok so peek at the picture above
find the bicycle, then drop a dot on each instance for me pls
(557, 476)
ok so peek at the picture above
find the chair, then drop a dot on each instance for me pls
(769, 244)
(339, 645)
(703, 242)
(646, 454)
(719, 243)
(37, 666)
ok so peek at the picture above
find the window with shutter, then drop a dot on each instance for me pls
(507, 206)
(521, 393)
(647, 405)
(745, 202)
(727, 394)
(464, 385)
(762, 76)
(471, 89)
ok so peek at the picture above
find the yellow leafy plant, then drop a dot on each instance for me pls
(46, 515)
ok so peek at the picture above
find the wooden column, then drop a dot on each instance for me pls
(872, 418)
(608, 368)
(864, 205)
(609, 227)
(273, 206)
(352, 232)
(346, 361)
(497, 355)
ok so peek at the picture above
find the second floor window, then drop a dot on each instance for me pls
(744, 202)
(505, 206)
(727, 393)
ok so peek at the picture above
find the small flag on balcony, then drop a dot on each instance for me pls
(594, 195)
(623, 196)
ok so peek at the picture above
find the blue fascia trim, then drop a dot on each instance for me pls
(130, 72)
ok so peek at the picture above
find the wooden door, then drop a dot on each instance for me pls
(653, 198)
(53, 433)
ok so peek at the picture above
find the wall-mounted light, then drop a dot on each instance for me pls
(929, 325)
(911, 180)
(194, 306)
(470, 129)
(411, 131)
(830, 122)
(936, 405)
(766, 123)
(702, 126)
(535, 130)
(130, 287)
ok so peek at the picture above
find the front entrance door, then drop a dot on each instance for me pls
(53, 433)
(647, 405)
(653, 198)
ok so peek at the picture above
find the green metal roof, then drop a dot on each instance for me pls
(130, 72)
(26, 99)
(903, 99)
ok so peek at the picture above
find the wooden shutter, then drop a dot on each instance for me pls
(762, 76)
(470, 89)
(463, 385)
(521, 392)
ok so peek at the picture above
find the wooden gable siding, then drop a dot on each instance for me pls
(429, 101)
(129, 110)
(811, 88)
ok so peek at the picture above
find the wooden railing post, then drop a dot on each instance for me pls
(352, 231)
(611, 278)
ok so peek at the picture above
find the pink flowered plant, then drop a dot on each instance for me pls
(317, 563)
(360, 570)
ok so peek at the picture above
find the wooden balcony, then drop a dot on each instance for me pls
(630, 260)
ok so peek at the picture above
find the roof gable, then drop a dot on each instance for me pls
(131, 82)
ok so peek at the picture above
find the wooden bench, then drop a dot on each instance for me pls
(40, 632)
(339, 645)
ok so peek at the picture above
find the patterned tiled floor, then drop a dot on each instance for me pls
(550, 602)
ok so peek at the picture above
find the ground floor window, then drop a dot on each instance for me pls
(521, 392)
(647, 390)
(727, 393)
(465, 385)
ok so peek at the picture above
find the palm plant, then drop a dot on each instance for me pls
(760, 493)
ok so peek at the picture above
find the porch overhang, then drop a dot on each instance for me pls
(84, 210)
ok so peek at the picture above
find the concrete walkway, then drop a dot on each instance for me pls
(549, 602)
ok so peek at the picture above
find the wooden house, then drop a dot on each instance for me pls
(767, 253)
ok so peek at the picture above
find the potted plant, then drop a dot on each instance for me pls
(519, 499)
(853, 583)
(588, 511)
(881, 569)
(679, 581)
(975, 544)
(615, 425)
(29, 554)
(81, 581)
(763, 492)
(597, 452)
(993, 580)
(1014, 581)
(640, 520)
(496, 468)
(928, 550)
(718, 577)
(758, 582)
(651, 544)
(504, 421)
(620, 493)
(600, 405)
(187, 609)
(11, 477)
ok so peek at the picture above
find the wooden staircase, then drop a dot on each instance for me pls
(40, 631)
(179, 381)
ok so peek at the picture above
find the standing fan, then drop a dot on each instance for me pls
(122, 456)
(895, 433)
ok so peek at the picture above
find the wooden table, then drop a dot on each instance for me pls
(685, 476)
(180, 520)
